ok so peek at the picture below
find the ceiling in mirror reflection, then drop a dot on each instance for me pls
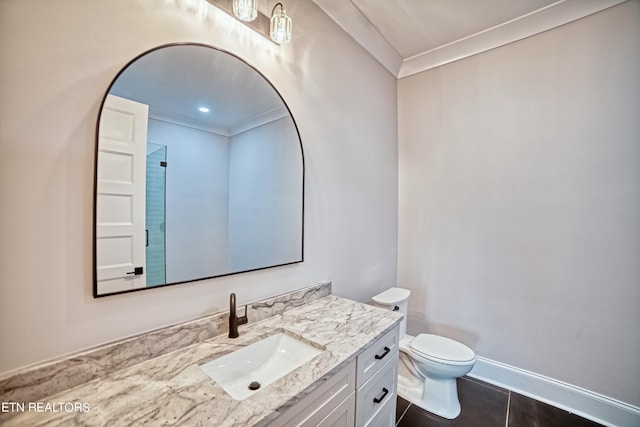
(191, 76)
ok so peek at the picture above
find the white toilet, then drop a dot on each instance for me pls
(429, 364)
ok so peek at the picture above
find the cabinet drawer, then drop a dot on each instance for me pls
(314, 407)
(386, 416)
(378, 354)
(376, 393)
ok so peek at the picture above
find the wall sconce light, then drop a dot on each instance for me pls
(245, 10)
(277, 29)
(280, 31)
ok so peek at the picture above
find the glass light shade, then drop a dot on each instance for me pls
(280, 26)
(245, 10)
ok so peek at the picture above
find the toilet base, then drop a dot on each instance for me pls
(438, 396)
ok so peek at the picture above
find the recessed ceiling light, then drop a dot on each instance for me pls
(204, 109)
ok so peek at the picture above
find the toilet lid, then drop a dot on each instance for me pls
(435, 346)
(392, 296)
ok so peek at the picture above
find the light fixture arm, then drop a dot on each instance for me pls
(274, 8)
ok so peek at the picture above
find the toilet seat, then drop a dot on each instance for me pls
(441, 349)
(391, 296)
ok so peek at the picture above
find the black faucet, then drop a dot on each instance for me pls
(234, 320)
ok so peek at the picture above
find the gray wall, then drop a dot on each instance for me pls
(519, 202)
(197, 208)
(57, 58)
(265, 196)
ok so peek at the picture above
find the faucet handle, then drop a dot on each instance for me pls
(242, 320)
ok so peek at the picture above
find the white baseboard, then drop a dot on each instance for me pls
(585, 403)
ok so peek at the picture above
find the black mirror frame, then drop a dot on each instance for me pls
(95, 174)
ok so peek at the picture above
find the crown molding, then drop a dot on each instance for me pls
(259, 120)
(229, 131)
(351, 20)
(541, 20)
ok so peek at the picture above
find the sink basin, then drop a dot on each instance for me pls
(251, 368)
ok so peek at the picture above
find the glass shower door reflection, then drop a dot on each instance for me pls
(155, 214)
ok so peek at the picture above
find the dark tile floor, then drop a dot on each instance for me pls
(485, 405)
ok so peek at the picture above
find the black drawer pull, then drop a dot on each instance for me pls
(384, 394)
(381, 356)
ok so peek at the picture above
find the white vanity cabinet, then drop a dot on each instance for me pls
(363, 393)
(376, 382)
(331, 404)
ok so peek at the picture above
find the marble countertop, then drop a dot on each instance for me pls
(172, 389)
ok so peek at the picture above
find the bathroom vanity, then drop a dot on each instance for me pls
(350, 382)
(362, 394)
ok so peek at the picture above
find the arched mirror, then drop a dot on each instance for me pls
(199, 172)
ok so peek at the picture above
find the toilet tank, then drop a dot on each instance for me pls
(395, 299)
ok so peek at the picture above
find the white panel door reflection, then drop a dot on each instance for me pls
(120, 198)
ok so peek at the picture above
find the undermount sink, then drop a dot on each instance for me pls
(247, 370)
